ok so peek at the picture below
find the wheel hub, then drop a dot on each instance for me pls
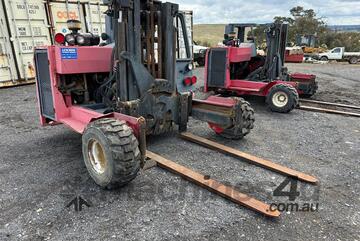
(97, 156)
(280, 99)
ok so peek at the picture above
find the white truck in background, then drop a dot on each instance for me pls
(339, 54)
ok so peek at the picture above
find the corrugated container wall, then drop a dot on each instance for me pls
(28, 27)
(25, 24)
(61, 12)
(95, 18)
(28, 23)
(7, 62)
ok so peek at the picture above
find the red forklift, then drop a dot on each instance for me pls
(132, 84)
(237, 69)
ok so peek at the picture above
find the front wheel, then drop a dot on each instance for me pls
(282, 98)
(353, 60)
(243, 121)
(111, 153)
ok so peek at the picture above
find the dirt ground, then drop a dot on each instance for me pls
(338, 82)
(41, 171)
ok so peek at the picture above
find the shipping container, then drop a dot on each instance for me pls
(60, 12)
(27, 22)
(8, 74)
(95, 18)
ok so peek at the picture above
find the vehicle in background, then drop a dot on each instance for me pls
(294, 55)
(308, 40)
(339, 54)
(199, 53)
(238, 70)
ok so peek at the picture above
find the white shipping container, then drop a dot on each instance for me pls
(28, 29)
(95, 18)
(61, 12)
(79, 1)
(8, 73)
(32, 23)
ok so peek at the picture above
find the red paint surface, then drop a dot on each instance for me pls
(90, 60)
(294, 58)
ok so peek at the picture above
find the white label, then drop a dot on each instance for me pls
(25, 47)
(21, 31)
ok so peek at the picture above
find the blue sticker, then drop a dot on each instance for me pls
(69, 53)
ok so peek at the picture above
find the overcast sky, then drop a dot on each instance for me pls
(337, 12)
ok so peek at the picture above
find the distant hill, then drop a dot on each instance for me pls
(345, 28)
(209, 34)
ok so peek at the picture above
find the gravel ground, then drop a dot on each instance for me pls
(41, 170)
(339, 82)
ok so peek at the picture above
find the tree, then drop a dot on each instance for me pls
(302, 22)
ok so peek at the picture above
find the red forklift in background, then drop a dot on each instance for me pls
(237, 69)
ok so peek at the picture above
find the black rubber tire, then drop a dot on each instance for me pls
(292, 95)
(121, 151)
(353, 60)
(324, 58)
(244, 122)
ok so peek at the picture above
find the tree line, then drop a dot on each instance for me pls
(306, 22)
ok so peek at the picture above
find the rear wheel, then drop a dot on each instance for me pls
(353, 60)
(282, 98)
(243, 121)
(111, 153)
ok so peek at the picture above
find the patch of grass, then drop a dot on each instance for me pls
(209, 34)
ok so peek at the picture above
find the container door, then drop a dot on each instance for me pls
(95, 18)
(28, 29)
(8, 73)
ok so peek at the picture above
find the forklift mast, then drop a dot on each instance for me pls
(276, 38)
(144, 35)
(240, 30)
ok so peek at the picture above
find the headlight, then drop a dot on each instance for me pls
(80, 40)
(70, 39)
(190, 67)
(87, 39)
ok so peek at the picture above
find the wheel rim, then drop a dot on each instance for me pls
(97, 156)
(280, 99)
